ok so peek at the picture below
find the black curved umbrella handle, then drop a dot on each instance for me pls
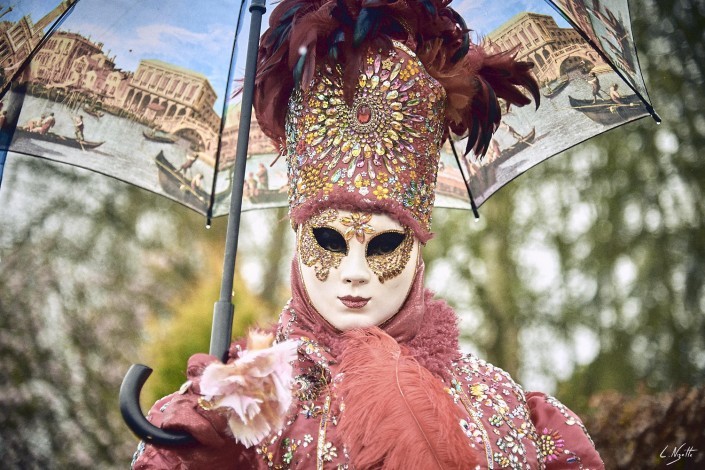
(132, 413)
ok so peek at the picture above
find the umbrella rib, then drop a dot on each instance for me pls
(233, 54)
(37, 48)
(465, 180)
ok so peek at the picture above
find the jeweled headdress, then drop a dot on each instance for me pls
(361, 94)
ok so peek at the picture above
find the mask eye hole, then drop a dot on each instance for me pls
(330, 240)
(385, 243)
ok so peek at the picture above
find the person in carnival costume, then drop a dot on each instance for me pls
(363, 369)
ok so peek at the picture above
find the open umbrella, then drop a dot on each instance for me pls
(143, 93)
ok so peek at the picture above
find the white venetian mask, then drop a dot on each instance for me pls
(357, 268)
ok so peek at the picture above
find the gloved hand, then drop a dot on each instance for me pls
(215, 446)
(185, 410)
(227, 408)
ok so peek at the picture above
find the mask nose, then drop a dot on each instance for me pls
(353, 268)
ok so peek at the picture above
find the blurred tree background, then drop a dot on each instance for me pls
(618, 227)
(584, 278)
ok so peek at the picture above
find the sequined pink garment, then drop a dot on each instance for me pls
(505, 427)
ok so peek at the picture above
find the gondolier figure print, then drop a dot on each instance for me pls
(595, 84)
(262, 177)
(33, 125)
(197, 182)
(615, 95)
(78, 127)
(190, 160)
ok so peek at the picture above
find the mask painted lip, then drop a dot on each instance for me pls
(354, 302)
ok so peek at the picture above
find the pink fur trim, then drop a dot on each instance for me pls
(427, 327)
(353, 202)
(435, 345)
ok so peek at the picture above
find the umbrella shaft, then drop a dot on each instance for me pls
(223, 310)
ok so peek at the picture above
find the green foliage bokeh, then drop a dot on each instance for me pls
(172, 339)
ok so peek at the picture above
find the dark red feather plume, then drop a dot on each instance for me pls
(303, 34)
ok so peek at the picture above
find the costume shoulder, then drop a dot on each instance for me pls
(558, 437)
(474, 370)
(563, 438)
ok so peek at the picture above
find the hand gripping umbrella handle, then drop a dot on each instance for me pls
(132, 413)
(223, 311)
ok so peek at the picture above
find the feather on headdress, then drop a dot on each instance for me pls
(305, 34)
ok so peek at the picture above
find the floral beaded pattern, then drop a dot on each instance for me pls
(317, 446)
(311, 382)
(381, 148)
(495, 404)
(550, 444)
(501, 424)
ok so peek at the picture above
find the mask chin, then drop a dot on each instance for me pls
(364, 282)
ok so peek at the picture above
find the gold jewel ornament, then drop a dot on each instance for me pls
(323, 252)
(389, 252)
(378, 153)
(358, 226)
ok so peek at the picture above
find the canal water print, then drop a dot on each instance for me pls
(139, 91)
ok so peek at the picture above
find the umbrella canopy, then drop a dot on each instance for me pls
(141, 92)
(132, 90)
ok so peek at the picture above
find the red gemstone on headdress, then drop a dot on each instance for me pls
(364, 114)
